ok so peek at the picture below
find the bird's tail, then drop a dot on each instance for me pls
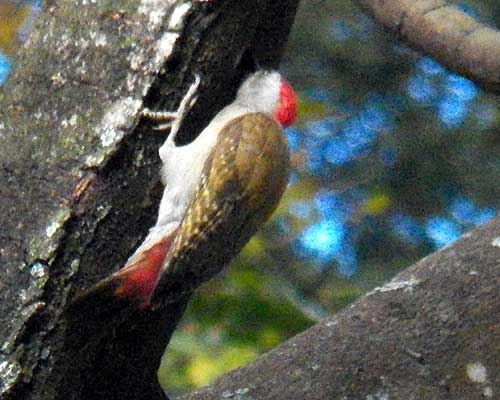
(134, 284)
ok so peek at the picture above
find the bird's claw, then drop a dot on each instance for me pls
(167, 117)
(173, 120)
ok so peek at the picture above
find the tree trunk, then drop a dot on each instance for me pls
(431, 333)
(79, 180)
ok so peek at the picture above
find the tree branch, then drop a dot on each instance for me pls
(431, 333)
(79, 183)
(442, 31)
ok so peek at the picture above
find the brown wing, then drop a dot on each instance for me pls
(241, 185)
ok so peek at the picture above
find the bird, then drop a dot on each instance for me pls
(219, 190)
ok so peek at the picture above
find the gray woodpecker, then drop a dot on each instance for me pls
(219, 190)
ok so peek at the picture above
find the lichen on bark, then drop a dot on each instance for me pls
(79, 180)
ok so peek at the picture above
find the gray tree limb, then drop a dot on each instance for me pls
(442, 31)
(79, 177)
(431, 333)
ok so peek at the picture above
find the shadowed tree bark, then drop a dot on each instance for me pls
(79, 188)
(443, 31)
(79, 177)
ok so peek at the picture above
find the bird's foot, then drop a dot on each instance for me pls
(173, 120)
(164, 119)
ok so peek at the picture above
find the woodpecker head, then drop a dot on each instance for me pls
(268, 92)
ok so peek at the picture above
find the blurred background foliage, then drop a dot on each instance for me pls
(394, 157)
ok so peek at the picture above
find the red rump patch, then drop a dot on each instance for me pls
(286, 113)
(139, 280)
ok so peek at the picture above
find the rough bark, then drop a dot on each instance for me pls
(431, 333)
(79, 176)
(442, 31)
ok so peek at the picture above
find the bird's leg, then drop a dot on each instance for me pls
(173, 120)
